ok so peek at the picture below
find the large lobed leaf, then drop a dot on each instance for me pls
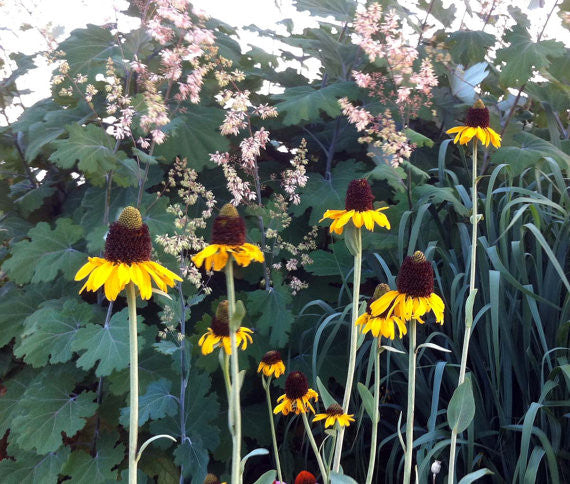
(304, 103)
(49, 408)
(91, 147)
(50, 331)
(46, 254)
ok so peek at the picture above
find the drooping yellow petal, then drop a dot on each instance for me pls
(482, 135)
(455, 129)
(381, 219)
(467, 135)
(112, 287)
(84, 271)
(368, 220)
(382, 304)
(357, 219)
(199, 258)
(495, 137)
(100, 275)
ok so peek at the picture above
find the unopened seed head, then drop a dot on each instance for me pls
(228, 210)
(211, 479)
(380, 290)
(419, 256)
(130, 218)
(223, 311)
(478, 105)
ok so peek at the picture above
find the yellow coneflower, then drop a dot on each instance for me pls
(228, 237)
(127, 258)
(218, 334)
(384, 324)
(476, 126)
(271, 364)
(334, 414)
(298, 395)
(415, 296)
(358, 208)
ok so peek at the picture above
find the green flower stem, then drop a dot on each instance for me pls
(468, 313)
(266, 385)
(376, 416)
(411, 402)
(322, 468)
(234, 410)
(353, 343)
(134, 383)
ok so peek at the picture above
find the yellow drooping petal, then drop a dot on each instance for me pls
(85, 270)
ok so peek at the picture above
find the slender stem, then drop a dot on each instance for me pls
(235, 410)
(272, 423)
(468, 314)
(134, 383)
(376, 416)
(353, 342)
(411, 401)
(315, 449)
(183, 375)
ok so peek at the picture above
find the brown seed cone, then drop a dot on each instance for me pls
(359, 196)
(271, 357)
(221, 321)
(334, 409)
(477, 116)
(296, 385)
(229, 227)
(416, 276)
(128, 239)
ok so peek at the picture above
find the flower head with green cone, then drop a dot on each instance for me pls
(127, 258)
(298, 395)
(218, 334)
(384, 324)
(334, 414)
(358, 208)
(228, 237)
(476, 126)
(415, 296)
(271, 364)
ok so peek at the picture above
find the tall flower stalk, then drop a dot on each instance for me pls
(413, 298)
(235, 408)
(376, 414)
(228, 245)
(411, 403)
(127, 263)
(353, 343)
(272, 366)
(359, 211)
(134, 383)
(476, 128)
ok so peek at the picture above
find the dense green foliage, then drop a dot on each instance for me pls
(64, 357)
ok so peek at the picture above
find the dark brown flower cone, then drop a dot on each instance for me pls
(334, 409)
(221, 322)
(296, 385)
(477, 115)
(229, 227)
(271, 357)
(416, 276)
(359, 196)
(128, 239)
